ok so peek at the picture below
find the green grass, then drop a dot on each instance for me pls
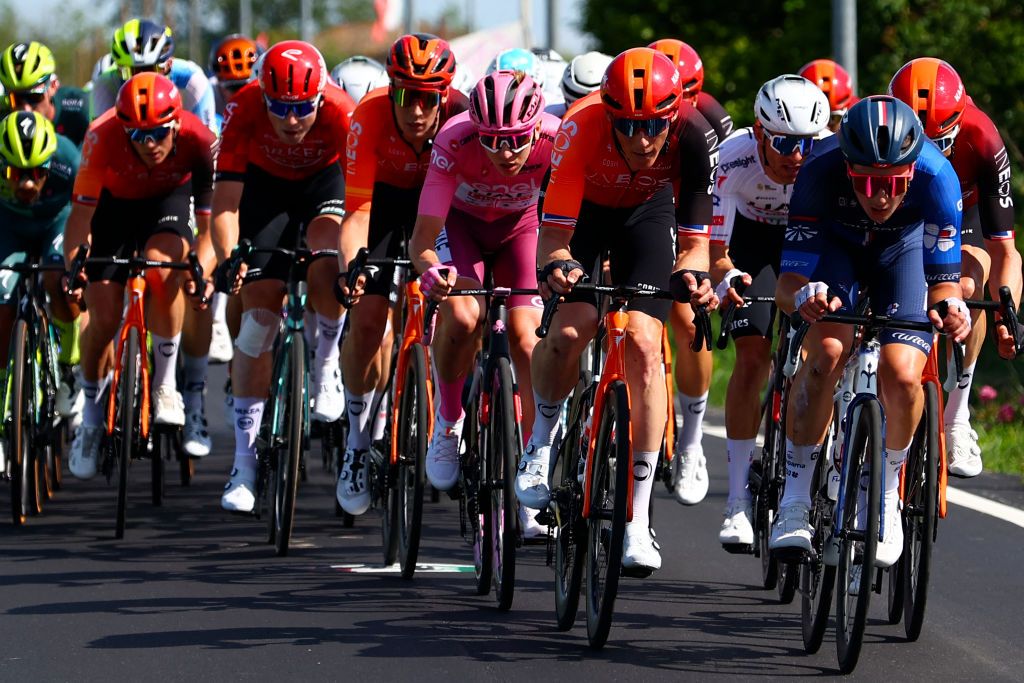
(1002, 447)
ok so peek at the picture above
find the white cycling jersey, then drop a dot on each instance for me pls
(743, 187)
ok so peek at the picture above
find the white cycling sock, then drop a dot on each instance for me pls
(381, 419)
(545, 420)
(644, 464)
(195, 382)
(894, 459)
(92, 413)
(799, 468)
(329, 334)
(359, 408)
(165, 360)
(248, 416)
(220, 307)
(740, 453)
(957, 410)
(692, 432)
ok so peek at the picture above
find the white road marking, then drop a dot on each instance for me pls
(1001, 511)
(435, 568)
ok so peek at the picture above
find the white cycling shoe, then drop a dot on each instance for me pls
(640, 553)
(168, 407)
(221, 348)
(890, 547)
(963, 451)
(353, 490)
(792, 529)
(197, 441)
(528, 524)
(532, 487)
(691, 484)
(329, 403)
(443, 455)
(737, 528)
(240, 491)
(85, 452)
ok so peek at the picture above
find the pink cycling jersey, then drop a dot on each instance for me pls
(461, 175)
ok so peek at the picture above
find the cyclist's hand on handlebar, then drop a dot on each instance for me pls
(952, 317)
(813, 303)
(685, 288)
(75, 291)
(200, 299)
(726, 291)
(1004, 341)
(438, 281)
(558, 277)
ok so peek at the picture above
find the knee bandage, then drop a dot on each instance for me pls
(259, 328)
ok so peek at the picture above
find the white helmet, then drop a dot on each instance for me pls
(583, 75)
(359, 75)
(792, 105)
(463, 80)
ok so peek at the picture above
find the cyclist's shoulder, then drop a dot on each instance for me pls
(455, 103)
(374, 110)
(184, 70)
(978, 134)
(67, 157)
(739, 150)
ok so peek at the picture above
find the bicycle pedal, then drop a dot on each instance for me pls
(789, 555)
(544, 517)
(455, 492)
(637, 572)
(739, 548)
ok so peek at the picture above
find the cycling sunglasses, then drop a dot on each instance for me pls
(650, 127)
(870, 185)
(282, 109)
(945, 143)
(407, 97)
(128, 71)
(787, 144)
(37, 174)
(32, 99)
(514, 142)
(143, 135)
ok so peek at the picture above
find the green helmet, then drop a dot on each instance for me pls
(141, 43)
(26, 67)
(27, 139)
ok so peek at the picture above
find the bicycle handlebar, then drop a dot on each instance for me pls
(621, 293)
(81, 258)
(359, 265)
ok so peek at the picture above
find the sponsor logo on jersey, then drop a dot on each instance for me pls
(799, 233)
(742, 162)
(939, 238)
(1003, 166)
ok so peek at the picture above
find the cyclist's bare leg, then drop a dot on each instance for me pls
(743, 397)
(166, 297)
(692, 375)
(323, 234)
(363, 363)
(60, 308)
(647, 392)
(457, 328)
(555, 367)
(899, 387)
(974, 271)
(523, 322)
(250, 376)
(827, 346)
(233, 315)
(104, 299)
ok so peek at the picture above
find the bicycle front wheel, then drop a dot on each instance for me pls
(413, 421)
(606, 521)
(128, 422)
(817, 579)
(859, 534)
(503, 457)
(289, 452)
(568, 546)
(920, 514)
(19, 388)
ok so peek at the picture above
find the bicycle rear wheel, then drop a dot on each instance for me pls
(474, 495)
(568, 546)
(920, 514)
(606, 521)
(289, 445)
(859, 533)
(817, 579)
(128, 421)
(503, 454)
(385, 477)
(412, 452)
(19, 388)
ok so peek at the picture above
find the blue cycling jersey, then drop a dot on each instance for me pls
(824, 207)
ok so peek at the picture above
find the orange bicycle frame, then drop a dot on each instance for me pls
(670, 423)
(930, 375)
(412, 334)
(134, 317)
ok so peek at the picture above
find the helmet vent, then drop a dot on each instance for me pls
(884, 141)
(638, 93)
(908, 142)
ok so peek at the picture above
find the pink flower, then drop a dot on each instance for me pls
(1007, 413)
(988, 393)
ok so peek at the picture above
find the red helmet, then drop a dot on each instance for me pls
(641, 83)
(233, 59)
(691, 69)
(148, 100)
(833, 80)
(421, 61)
(293, 71)
(934, 91)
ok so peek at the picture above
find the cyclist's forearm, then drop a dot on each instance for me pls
(944, 290)
(77, 229)
(692, 253)
(1006, 268)
(786, 289)
(720, 262)
(227, 195)
(204, 244)
(423, 241)
(553, 245)
(355, 234)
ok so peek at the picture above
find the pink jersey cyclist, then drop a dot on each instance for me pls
(485, 211)
(479, 201)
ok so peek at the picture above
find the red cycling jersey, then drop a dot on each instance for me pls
(377, 152)
(587, 165)
(248, 137)
(109, 162)
(716, 115)
(980, 161)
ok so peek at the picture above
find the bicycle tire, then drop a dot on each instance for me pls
(48, 426)
(412, 453)
(161, 446)
(864, 459)
(473, 492)
(921, 515)
(817, 579)
(765, 501)
(611, 449)
(20, 438)
(127, 413)
(894, 594)
(789, 579)
(385, 482)
(286, 474)
(568, 548)
(504, 460)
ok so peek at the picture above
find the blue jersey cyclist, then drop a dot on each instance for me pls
(875, 207)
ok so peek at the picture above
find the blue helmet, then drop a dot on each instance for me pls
(881, 131)
(519, 59)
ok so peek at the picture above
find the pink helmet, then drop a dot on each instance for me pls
(506, 102)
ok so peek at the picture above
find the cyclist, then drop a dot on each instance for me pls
(359, 75)
(28, 74)
(756, 171)
(972, 143)
(520, 59)
(141, 45)
(143, 165)
(630, 175)
(837, 85)
(35, 199)
(386, 161)
(278, 170)
(553, 65)
(876, 206)
(692, 369)
(469, 214)
(581, 77)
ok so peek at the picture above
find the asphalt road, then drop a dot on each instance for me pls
(192, 593)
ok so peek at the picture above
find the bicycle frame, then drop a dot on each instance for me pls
(411, 334)
(930, 375)
(670, 422)
(134, 317)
